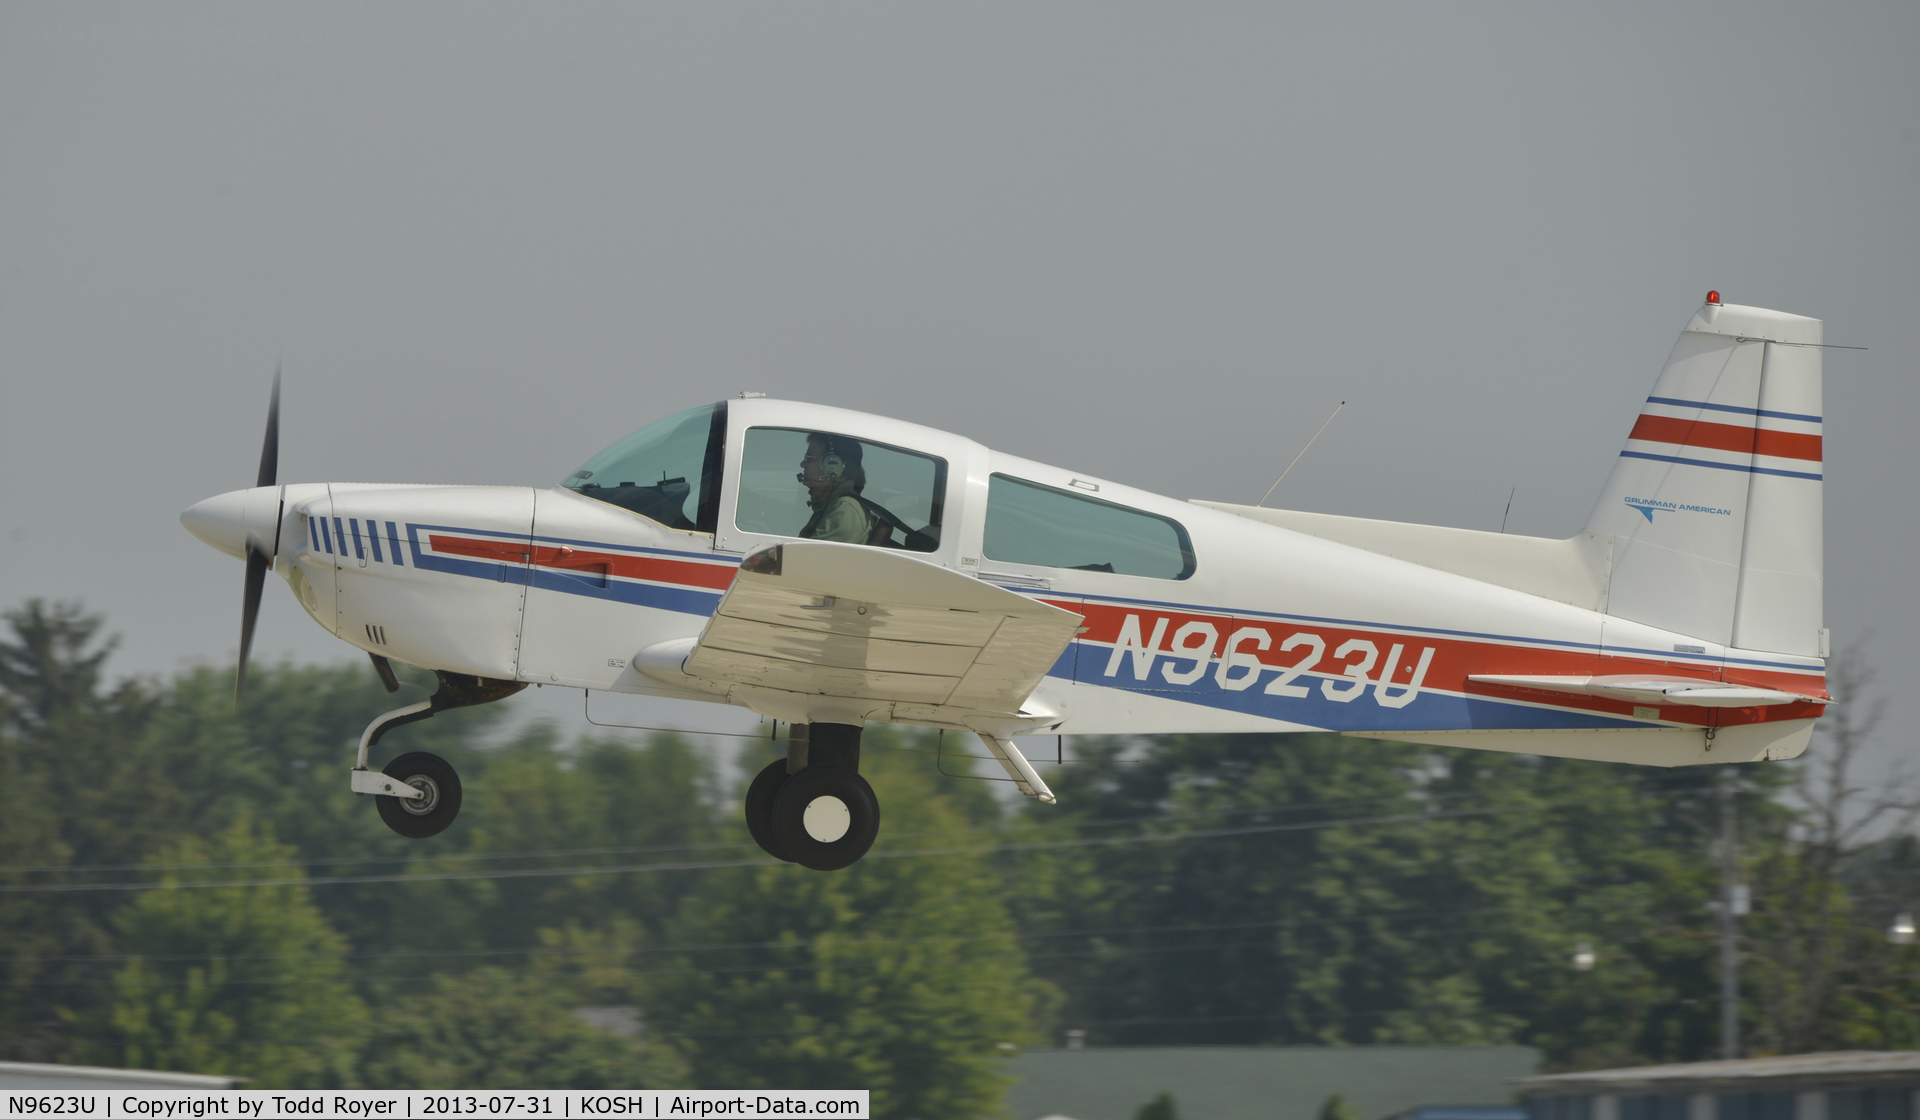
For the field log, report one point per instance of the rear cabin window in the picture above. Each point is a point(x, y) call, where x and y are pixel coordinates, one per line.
point(1028, 523)
point(828, 486)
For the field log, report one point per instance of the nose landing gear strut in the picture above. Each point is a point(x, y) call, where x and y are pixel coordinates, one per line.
point(812, 807)
point(418, 793)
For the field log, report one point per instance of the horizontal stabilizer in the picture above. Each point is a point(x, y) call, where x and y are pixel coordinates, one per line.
point(1653, 690)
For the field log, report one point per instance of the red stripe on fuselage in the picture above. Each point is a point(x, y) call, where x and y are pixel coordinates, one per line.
point(1727, 437)
point(507, 552)
point(658, 569)
point(627, 565)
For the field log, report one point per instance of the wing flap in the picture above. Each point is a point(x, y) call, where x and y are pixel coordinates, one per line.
point(1013, 661)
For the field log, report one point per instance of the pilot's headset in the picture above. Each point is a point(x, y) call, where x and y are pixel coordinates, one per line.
point(833, 462)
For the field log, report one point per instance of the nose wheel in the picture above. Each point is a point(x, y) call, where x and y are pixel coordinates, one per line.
point(813, 808)
point(431, 810)
point(418, 793)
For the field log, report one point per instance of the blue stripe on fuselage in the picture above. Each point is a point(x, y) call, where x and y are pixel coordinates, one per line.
point(665, 597)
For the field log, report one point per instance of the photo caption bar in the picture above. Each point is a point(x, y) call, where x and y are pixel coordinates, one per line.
point(409, 1104)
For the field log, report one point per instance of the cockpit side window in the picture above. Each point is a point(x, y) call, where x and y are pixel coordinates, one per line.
point(828, 486)
point(1028, 523)
point(668, 471)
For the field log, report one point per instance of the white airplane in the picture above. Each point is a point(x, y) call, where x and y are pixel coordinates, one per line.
point(829, 568)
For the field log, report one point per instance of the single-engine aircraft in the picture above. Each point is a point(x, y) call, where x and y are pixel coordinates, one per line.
point(829, 568)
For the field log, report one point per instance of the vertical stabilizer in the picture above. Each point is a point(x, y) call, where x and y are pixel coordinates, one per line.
point(1715, 503)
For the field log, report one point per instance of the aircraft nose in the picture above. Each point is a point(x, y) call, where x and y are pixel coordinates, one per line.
point(228, 521)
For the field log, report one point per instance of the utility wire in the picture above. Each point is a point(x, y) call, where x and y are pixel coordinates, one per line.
point(836, 961)
point(1677, 780)
point(711, 865)
point(789, 944)
point(538, 853)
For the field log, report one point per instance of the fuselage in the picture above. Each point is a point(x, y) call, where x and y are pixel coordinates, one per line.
point(1209, 622)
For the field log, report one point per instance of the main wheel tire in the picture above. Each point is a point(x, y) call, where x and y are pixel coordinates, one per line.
point(826, 817)
point(421, 817)
point(760, 797)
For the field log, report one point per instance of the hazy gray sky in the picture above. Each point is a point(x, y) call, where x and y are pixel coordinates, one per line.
point(1154, 243)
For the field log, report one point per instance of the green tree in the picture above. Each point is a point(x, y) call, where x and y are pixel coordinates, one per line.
point(600, 799)
point(1322, 901)
point(77, 786)
point(489, 1029)
point(901, 975)
point(1300, 889)
point(1159, 1108)
point(51, 670)
point(283, 756)
point(1337, 1108)
point(1819, 970)
point(244, 980)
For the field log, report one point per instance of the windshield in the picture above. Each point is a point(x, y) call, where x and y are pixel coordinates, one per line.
point(668, 471)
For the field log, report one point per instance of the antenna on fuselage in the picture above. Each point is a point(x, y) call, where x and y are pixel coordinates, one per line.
point(1303, 451)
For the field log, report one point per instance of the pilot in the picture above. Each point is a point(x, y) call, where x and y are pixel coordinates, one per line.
point(833, 476)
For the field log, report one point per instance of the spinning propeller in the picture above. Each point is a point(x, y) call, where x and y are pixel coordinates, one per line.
point(260, 553)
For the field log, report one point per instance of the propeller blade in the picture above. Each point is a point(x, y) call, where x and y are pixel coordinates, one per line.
point(270, 448)
point(257, 564)
point(258, 559)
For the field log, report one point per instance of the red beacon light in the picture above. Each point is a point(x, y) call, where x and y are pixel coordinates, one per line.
point(1713, 297)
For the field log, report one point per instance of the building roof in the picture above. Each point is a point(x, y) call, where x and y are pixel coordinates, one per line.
point(1852, 1067)
point(36, 1076)
point(1261, 1082)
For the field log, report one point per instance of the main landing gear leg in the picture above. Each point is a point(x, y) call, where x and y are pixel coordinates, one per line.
point(812, 807)
point(418, 793)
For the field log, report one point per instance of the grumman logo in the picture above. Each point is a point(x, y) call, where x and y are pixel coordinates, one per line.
point(1647, 506)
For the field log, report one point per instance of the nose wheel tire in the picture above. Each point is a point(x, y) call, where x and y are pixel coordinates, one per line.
point(825, 817)
point(760, 797)
point(421, 817)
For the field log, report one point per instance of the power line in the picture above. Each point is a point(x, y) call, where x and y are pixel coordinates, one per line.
point(737, 946)
point(839, 960)
point(712, 865)
point(1066, 822)
point(535, 853)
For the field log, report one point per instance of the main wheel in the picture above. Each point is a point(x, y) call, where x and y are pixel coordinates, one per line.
point(760, 797)
point(826, 817)
point(421, 817)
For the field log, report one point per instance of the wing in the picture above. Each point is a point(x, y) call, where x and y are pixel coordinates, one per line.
point(867, 624)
